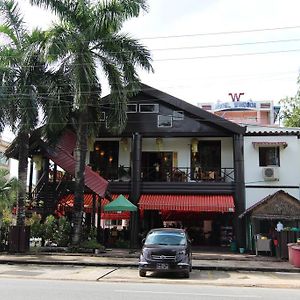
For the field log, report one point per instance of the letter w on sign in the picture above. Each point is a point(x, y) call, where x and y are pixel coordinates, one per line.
point(236, 96)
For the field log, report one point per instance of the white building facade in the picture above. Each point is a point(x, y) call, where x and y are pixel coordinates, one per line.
point(271, 162)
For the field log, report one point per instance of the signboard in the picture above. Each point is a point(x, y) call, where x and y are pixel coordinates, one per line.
point(236, 105)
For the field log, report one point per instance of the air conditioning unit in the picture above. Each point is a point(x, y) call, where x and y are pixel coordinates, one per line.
point(270, 173)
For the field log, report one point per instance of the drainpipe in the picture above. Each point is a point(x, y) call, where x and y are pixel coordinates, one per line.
point(135, 187)
point(239, 224)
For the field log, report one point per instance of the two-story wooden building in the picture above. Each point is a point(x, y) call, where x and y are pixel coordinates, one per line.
point(180, 164)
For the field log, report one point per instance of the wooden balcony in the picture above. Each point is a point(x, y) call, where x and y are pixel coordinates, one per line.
point(179, 180)
point(178, 174)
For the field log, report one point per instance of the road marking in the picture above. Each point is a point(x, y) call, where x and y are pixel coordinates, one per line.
point(189, 294)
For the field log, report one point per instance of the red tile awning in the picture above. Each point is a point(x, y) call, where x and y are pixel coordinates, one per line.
point(67, 203)
point(187, 203)
point(269, 144)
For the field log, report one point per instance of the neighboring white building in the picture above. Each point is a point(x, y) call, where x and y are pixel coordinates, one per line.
point(271, 162)
point(249, 111)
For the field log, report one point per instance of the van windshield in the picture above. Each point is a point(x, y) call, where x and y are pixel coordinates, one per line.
point(166, 238)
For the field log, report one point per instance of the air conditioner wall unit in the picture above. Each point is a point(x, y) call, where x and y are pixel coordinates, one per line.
point(270, 173)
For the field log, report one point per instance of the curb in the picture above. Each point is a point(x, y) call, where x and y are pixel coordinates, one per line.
point(135, 265)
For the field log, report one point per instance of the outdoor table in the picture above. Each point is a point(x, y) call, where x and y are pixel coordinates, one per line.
point(263, 245)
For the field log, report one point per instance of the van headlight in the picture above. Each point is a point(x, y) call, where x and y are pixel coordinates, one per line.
point(181, 254)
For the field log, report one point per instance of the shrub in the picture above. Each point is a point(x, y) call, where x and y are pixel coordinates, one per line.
point(62, 234)
point(91, 244)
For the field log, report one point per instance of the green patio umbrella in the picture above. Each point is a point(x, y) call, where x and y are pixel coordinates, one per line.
point(120, 204)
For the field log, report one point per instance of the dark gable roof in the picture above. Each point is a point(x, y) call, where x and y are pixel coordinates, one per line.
point(265, 200)
point(192, 109)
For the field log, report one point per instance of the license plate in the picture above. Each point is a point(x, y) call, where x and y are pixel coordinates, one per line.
point(162, 266)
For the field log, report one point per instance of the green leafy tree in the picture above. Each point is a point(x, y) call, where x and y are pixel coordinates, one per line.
point(290, 111)
point(8, 191)
point(21, 70)
point(84, 43)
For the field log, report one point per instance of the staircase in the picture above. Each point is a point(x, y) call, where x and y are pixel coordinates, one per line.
point(49, 193)
point(62, 156)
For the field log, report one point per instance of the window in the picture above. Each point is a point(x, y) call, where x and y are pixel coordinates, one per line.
point(131, 108)
point(164, 121)
point(206, 162)
point(178, 115)
point(105, 158)
point(149, 108)
point(269, 156)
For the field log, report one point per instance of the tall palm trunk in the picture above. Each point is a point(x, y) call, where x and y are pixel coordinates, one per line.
point(23, 138)
point(80, 157)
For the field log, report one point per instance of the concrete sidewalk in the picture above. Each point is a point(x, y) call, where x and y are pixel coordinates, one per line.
point(125, 258)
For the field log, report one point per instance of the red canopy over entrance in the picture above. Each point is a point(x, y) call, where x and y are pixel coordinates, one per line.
point(187, 203)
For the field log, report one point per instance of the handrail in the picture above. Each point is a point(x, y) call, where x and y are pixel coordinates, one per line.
point(175, 174)
point(39, 186)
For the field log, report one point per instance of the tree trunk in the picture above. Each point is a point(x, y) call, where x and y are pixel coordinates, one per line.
point(80, 157)
point(23, 141)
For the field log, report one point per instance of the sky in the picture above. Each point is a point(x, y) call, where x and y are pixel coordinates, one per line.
point(203, 50)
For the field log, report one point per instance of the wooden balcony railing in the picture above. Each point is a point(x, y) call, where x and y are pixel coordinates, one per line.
point(178, 174)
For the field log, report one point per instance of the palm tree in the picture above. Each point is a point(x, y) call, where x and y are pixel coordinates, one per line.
point(21, 70)
point(87, 39)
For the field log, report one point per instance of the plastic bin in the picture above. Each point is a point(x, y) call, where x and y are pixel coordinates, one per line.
point(290, 250)
point(296, 255)
point(233, 246)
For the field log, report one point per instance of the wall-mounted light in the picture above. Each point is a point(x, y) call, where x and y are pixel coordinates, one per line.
point(110, 159)
point(38, 160)
point(97, 147)
point(194, 144)
point(159, 142)
point(124, 143)
point(102, 153)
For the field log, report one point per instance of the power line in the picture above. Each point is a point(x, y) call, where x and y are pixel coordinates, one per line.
point(227, 55)
point(197, 47)
point(203, 57)
point(221, 32)
point(226, 45)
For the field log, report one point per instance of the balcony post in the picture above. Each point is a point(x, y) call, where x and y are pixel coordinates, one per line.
point(30, 180)
point(135, 187)
point(240, 232)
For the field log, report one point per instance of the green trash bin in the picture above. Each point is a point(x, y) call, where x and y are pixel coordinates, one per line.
point(233, 246)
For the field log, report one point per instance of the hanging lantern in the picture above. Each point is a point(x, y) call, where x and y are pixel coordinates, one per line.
point(91, 142)
point(159, 143)
point(37, 159)
point(194, 144)
point(124, 143)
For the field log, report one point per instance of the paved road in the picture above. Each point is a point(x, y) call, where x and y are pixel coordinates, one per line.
point(106, 274)
point(23, 289)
